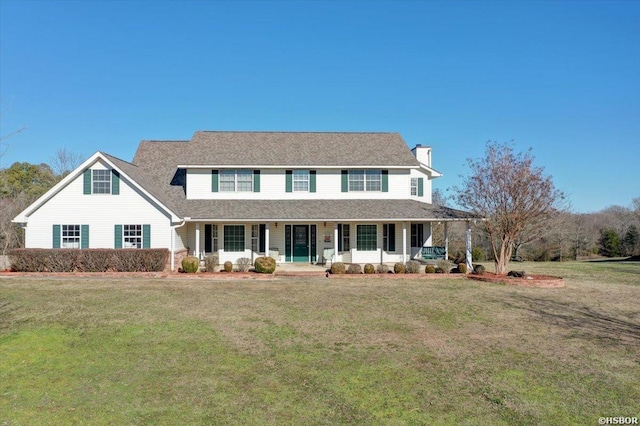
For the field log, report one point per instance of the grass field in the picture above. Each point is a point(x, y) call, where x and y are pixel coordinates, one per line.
point(322, 351)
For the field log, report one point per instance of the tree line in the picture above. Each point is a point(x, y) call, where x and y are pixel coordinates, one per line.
point(21, 184)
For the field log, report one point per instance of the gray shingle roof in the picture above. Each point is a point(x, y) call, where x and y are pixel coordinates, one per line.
point(319, 210)
point(156, 162)
point(297, 149)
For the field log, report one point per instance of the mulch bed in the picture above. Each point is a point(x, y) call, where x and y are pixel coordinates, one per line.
point(542, 281)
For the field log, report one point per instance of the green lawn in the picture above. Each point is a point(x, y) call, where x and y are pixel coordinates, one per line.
point(322, 351)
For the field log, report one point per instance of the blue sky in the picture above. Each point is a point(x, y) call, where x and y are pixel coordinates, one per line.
point(562, 78)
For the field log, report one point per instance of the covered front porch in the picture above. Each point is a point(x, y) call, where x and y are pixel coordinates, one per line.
point(313, 231)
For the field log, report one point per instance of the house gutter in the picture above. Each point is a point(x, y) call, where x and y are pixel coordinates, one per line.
point(173, 238)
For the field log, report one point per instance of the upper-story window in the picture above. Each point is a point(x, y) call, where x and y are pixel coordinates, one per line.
point(301, 180)
point(417, 187)
point(414, 187)
point(236, 180)
point(365, 180)
point(102, 181)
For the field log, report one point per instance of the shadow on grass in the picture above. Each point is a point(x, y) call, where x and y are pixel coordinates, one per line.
point(616, 259)
point(583, 321)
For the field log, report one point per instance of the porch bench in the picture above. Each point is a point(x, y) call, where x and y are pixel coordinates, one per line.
point(435, 252)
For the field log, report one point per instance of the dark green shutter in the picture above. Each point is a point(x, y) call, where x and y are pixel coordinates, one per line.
point(312, 181)
point(84, 236)
point(420, 187)
point(117, 236)
point(115, 183)
point(56, 236)
point(87, 181)
point(256, 181)
point(261, 239)
point(288, 180)
point(339, 237)
point(345, 181)
point(208, 241)
point(214, 181)
point(385, 181)
point(146, 236)
point(391, 236)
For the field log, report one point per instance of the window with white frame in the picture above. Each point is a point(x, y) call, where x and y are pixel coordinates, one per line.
point(101, 181)
point(70, 236)
point(365, 180)
point(214, 238)
point(414, 186)
point(236, 180)
point(255, 237)
point(301, 180)
point(367, 237)
point(132, 236)
point(234, 238)
point(344, 239)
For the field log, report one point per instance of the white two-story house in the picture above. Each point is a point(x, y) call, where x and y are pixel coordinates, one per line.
point(295, 196)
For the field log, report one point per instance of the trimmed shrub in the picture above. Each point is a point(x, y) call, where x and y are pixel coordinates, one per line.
point(398, 268)
point(369, 269)
point(412, 267)
point(244, 263)
point(462, 268)
point(477, 254)
point(430, 269)
point(228, 266)
point(444, 265)
point(265, 265)
point(89, 260)
point(354, 268)
point(382, 269)
point(479, 269)
point(190, 264)
point(211, 262)
point(338, 268)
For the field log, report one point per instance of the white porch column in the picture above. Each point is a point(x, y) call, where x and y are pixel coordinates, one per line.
point(469, 259)
point(198, 240)
point(335, 242)
point(173, 248)
point(446, 240)
point(404, 241)
point(267, 253)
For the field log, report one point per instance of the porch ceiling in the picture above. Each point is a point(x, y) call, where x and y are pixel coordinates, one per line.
point(320, 210)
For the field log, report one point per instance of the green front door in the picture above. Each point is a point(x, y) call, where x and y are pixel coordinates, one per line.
point(300, 243)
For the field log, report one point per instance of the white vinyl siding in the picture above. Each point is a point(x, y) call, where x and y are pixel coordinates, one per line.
point(99, 213)
point(328, 186)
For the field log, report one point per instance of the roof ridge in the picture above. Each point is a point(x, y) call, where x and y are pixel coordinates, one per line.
point(297, 131)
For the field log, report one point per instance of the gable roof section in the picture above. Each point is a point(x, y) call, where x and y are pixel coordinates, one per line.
point(128, 170)
point(295, 149)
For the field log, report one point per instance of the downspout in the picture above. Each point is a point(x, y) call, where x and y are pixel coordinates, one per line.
point(173, 238)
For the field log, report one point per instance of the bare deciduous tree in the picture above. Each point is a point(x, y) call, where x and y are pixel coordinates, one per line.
point(65, 161)
point(511, 193)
